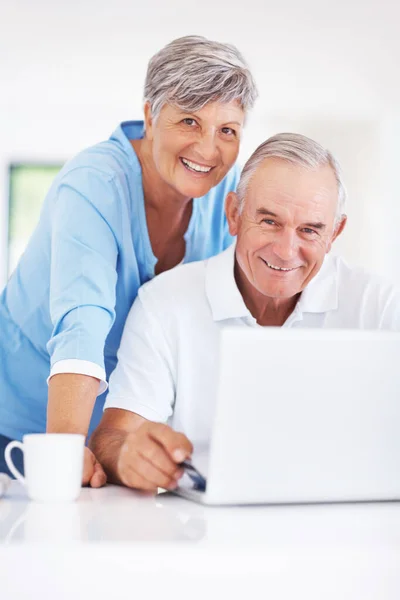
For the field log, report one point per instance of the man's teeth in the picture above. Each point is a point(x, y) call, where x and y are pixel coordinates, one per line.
point(278, 268)
point(195, 166)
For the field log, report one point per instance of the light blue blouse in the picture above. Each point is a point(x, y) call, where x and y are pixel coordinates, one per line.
point(73, 287)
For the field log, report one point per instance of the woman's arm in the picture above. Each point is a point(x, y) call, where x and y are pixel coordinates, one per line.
point(82, 301)
point(69, 409)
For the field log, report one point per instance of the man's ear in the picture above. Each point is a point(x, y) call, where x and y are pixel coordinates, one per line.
point(232, 211)
point(338, 230)
point(148, 121)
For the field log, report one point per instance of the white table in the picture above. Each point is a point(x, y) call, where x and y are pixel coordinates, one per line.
point(115, 543)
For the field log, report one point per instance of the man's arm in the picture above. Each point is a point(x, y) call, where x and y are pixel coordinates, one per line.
point(69, 409)
point(132, 442)
point(139, 453)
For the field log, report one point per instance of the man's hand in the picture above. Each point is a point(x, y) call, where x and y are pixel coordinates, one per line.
point(149, 457)
point(93, 473)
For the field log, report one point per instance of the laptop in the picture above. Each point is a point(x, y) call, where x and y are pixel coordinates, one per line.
point(302, 415)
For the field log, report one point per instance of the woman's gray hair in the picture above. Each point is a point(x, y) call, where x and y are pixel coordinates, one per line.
point(296, 149)
point(191, 71)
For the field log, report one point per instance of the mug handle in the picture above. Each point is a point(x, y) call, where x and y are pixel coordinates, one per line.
point(7, 455)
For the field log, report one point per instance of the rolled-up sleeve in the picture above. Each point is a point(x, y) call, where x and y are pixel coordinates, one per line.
point(83, 268)
point(83, 367)
point(143, 380)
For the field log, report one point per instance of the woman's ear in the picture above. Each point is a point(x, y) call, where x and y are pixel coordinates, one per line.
point(232, 211)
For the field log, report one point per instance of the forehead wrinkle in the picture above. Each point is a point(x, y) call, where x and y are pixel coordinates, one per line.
point(276, 193)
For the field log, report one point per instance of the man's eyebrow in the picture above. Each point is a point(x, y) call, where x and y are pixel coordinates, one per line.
point(319, 225)
point(265, 211)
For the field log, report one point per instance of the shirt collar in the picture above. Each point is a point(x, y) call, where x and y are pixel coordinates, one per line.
point(226, 302)
point(126, 131)
point(321, 294)
point(222, 292)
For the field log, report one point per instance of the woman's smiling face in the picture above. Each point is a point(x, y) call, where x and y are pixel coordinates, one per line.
point(193, 152)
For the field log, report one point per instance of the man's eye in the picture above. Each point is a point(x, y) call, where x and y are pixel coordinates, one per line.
point(228, 131)
point(309, 231)
point(268, 221)
point(189, 121)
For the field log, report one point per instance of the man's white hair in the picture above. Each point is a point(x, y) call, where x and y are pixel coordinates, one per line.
point(191, 71)
point(299, 150)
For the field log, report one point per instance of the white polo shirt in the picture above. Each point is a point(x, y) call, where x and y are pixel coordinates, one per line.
point(168, 358)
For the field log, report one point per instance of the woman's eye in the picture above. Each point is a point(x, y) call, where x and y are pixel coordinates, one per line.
point(189, 121)
point(228, 131)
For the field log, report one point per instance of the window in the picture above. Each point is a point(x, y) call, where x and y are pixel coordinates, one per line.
point(29, 184)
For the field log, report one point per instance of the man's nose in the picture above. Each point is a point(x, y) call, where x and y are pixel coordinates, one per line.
point(285, 245)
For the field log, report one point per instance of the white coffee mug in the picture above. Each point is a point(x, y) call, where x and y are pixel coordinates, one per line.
point(53, 465)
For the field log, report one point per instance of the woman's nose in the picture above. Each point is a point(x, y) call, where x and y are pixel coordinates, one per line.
point(206, 147)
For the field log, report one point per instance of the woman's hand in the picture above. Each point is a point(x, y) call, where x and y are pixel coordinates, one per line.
point(93, 473)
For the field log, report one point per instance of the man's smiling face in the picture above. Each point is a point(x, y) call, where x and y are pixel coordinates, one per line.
point(286, 227)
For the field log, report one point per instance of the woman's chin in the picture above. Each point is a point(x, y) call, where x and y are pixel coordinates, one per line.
point(195, 189)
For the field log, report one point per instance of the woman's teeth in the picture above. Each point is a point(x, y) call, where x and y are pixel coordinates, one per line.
point(195, 167)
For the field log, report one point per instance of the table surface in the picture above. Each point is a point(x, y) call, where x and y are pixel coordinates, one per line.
point(165, 541)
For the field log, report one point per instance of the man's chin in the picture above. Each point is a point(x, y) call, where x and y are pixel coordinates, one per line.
point(280, 294)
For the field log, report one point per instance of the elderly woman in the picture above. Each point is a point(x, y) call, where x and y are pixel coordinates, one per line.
point(149, 198)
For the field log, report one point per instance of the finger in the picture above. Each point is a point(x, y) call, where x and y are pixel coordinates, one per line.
point(131, 478)
point(99, 478)
point(176, 444)
point(140, 483)
point(156, 477)
point(88, 467)
point(133, 462)
point(156, 454)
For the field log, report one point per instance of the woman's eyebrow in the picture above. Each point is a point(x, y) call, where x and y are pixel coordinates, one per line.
point(195, 116)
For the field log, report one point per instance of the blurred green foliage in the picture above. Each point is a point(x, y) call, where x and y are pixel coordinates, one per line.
point(29, 184)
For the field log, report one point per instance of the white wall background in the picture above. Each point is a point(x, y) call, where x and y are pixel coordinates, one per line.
point(71, 70)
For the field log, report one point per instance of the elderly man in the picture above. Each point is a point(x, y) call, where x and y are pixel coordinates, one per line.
point(287, 212)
